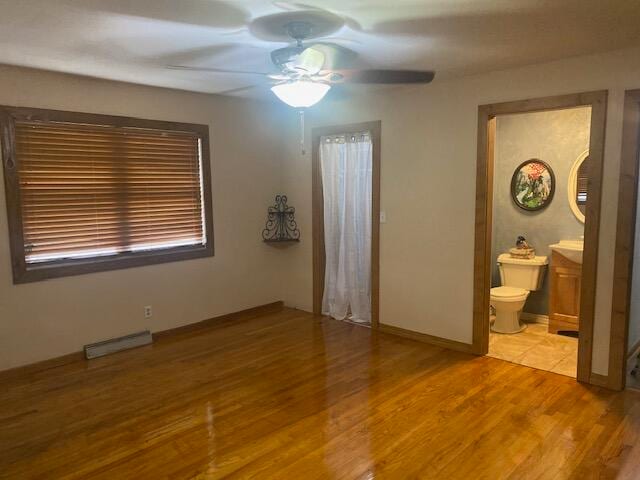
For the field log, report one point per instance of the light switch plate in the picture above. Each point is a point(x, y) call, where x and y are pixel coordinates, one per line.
point(383, 217)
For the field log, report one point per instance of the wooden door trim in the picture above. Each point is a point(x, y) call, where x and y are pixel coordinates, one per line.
point(625, 240)
point(484, 192)
point(318, 213)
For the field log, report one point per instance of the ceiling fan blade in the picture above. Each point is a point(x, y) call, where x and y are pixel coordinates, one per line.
point(293, 6)
point(237, 90)
point(215, 70)
point(280, 77)
point(337, 40)
point(386, 77)
point(232, 33)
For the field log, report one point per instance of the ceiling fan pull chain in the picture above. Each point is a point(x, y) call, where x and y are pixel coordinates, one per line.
point(302, 149)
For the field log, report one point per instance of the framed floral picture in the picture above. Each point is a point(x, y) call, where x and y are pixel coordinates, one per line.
point(532, 185)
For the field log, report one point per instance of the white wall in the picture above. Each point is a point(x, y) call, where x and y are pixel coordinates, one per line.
point(54, 317)
point(429, 137)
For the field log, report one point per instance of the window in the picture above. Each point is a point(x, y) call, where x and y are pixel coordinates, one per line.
point(94, 192)
point(582, 182)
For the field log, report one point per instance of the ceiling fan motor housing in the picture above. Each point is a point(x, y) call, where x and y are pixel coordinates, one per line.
point(299, 25)
point(299, 30)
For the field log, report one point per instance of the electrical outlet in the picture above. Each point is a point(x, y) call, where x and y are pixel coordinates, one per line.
point(148, 313)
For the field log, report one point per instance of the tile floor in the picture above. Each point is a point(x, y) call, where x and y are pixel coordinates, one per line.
point(536, 348)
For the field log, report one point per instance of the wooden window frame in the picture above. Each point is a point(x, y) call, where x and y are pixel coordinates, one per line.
point(23, 272)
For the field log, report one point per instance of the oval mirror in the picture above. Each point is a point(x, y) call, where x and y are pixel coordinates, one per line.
point(577, 188)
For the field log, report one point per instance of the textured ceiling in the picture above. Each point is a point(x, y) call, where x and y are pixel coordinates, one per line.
point(134, 40)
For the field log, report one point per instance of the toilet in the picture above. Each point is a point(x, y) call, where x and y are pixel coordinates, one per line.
point(518, 277)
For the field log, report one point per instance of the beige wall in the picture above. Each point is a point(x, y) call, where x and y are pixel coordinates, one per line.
point(428, 193)
point(429, 137)
point(54, 317)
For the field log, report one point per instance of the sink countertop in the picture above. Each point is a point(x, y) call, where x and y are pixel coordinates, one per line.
point(570, 249)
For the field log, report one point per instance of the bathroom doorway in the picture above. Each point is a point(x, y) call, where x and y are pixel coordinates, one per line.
point(346, 212)
point(533, 177)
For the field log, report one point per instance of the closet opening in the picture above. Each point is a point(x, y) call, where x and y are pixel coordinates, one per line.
point(346, 226)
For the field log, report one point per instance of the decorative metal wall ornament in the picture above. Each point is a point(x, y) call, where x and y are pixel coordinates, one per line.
point(281, 225)
point(532, 185)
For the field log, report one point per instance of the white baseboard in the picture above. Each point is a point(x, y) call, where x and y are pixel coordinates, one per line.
point(534, 318)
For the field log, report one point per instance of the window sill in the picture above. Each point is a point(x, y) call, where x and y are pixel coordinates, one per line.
point(26, 273)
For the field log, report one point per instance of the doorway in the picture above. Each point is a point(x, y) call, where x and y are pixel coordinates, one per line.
point(329, 145)
point(624, 344)
point(483, 264)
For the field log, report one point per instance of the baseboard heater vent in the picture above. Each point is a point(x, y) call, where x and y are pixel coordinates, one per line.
point(134, 340)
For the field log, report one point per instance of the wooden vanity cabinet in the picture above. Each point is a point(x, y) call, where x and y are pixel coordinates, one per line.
point(565, 279)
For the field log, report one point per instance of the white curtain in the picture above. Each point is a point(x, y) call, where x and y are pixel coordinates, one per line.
point(346, 163)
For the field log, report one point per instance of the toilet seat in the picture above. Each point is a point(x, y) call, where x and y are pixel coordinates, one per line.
point(509, 294)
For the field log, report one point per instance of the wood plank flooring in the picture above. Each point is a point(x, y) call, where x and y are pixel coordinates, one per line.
point(290, 396)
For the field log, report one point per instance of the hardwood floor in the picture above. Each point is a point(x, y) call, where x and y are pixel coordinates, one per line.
point(290, 396)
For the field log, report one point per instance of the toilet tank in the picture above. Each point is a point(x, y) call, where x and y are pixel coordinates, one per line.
point(522, 273)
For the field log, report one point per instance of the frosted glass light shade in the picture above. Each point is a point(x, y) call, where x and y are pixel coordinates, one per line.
point(301, 93)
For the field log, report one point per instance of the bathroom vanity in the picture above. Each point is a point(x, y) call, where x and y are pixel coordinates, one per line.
point(565, 281)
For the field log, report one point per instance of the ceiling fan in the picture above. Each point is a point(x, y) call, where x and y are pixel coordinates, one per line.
point(303, 75)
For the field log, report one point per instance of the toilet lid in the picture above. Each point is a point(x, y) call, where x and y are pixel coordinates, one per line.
point(507, 292)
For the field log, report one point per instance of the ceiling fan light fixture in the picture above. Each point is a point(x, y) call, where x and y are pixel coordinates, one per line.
point(301, 93)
